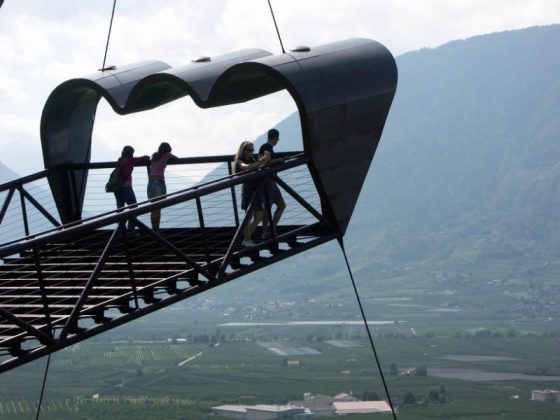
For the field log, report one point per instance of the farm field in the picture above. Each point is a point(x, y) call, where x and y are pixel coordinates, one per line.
point(184, 379)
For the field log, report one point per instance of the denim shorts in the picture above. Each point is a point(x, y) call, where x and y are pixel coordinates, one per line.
point(156, 188)
point(247, 192)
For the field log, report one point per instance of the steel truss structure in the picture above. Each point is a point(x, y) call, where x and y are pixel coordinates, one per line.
point(84, 275)
point(77, 280)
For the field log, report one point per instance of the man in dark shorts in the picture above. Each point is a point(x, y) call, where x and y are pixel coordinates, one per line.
point(273, 194)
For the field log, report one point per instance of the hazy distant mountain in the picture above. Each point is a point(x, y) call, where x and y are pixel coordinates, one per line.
point(472, 149)
point(6, 174)
point(466, 177)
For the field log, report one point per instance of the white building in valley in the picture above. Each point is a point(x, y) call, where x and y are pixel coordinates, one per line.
point(546, 395)
point(259, 412)
point(361, 407)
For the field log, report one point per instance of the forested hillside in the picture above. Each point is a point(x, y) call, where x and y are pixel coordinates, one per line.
point(465, 179)
point(463, 190)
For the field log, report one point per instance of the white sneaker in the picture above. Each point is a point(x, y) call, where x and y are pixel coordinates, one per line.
point(248, 243)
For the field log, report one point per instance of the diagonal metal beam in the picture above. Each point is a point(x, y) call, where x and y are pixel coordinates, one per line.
point(23, 212)
point(41, 336)
point(158, 238)
point(131, 271)
point(233, 196)
point(73, 319)
point(6, 203)
point(302, 201)
point(39, 207)
point(42, 290)
point(240, 228)
point(202, 228)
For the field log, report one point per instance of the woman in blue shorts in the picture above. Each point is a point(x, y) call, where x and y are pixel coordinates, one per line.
point(156, 179)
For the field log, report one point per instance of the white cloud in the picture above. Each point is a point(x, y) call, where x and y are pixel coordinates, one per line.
point(23, 46)
point(43, 44)
point(16, 126)
point(190, 130)
point(19, 147)
point(11, 89)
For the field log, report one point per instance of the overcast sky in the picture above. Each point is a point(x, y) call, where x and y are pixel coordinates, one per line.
point(44, 43)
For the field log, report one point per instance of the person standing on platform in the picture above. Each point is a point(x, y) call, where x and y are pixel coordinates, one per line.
point(273, 195)
point(245, 161)
point(125, 194)
point(156, 178)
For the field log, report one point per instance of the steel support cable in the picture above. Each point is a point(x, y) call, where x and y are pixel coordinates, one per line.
point(49, 323)
point(43, 386)
point(108, 36)
point(340, 241)
point(276, 26)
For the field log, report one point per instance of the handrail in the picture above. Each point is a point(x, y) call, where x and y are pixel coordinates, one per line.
point(178, 161)
point(111, 164)
point(23, 184)
point(26, 179)
point(124, 213)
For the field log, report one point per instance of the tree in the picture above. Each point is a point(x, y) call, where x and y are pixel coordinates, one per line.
point(443, 396)
point(370, 396)
point(393, 370)
point(438, 395)
point(421, 371)
point(433, 395)
point(409, 398)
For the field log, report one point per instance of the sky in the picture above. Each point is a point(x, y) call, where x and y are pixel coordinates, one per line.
point(44, 43)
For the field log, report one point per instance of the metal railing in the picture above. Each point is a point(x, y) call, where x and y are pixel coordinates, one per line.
point(218, 195)
point(28, 207)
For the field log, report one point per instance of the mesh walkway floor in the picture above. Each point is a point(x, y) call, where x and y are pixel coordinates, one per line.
point(66, 291)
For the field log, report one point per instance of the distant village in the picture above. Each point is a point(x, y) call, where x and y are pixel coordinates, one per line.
point(311, 406)
point(527, 302)
point(271, 309)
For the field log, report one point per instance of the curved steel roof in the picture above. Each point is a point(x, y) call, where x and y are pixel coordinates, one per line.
point(343, 92)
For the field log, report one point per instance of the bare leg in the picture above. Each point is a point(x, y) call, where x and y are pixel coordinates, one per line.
point(280, 206)
point(252, 225)
point(265, 224)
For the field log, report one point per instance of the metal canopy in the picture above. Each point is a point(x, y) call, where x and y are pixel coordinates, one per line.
point(343, 92)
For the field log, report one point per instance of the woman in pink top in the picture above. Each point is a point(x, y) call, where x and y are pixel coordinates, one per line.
point(156, 180)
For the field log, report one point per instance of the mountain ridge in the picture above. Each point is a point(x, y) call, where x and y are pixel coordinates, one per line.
point(463, 188)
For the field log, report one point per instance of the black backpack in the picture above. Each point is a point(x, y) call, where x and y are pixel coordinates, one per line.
point(115, 181)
